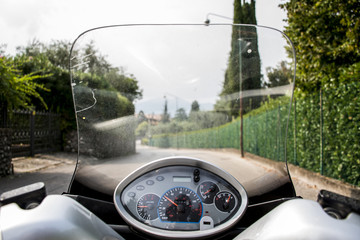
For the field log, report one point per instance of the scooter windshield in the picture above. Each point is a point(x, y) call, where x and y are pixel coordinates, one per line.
point(218, 92)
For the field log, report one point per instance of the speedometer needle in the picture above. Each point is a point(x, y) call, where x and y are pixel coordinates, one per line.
point(142, 206)
point(171, 200)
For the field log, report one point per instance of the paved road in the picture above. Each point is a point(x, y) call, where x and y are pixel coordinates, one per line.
point(255, 177)
point(54, 170)
point(242, 169)
point(58, 169)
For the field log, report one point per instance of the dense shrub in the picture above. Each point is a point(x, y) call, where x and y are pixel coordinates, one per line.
point(264, 130)
point(341, 133)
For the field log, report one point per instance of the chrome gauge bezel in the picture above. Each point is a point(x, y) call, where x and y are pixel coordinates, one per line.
point(201, 196)
point(174, 234)
point(139, 200)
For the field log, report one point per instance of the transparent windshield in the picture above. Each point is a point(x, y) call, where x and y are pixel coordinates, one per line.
point(220, 93)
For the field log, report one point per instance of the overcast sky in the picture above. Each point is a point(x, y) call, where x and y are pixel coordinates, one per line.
point(46, 20)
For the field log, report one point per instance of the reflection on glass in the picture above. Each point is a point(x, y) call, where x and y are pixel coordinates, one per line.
point(145, 90)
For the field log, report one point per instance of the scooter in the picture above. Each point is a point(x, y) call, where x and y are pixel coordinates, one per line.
point(174, 121)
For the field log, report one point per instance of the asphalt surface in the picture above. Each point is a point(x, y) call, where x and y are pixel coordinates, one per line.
point(256, 178)
point(56, 170)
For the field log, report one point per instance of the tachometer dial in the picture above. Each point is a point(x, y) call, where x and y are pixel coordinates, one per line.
point(180, 204)
point(207, 191)
point(225, 201)
point(146, 206)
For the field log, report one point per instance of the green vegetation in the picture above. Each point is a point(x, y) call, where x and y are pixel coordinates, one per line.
point(324, 128)
point(16, 88)
point(263, 137)
point(197, 120)
point(340, 146)
point(38, 77)
point(279, 76)
point(165, 118)
point(195, 107)
point(51, 60)
point(261, 131)
point(104, 97)
point(326, 39)
point(180, 115)
point(244, 61)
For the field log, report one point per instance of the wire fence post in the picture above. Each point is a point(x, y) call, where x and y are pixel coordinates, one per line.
point(295, 148)
point(278, 135)
point(321, 136)
point(32, 134)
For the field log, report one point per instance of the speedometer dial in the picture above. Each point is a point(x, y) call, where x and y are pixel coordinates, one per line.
point(180, 204)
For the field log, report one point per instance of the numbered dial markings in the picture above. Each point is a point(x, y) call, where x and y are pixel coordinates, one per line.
point(207, 191)
point(147, 206)
point(225, 201)
point(180, 204)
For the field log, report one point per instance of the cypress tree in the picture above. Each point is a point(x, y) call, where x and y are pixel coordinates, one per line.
point(244, 40)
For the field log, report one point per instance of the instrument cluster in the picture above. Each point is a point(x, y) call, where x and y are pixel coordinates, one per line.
point(182, 196)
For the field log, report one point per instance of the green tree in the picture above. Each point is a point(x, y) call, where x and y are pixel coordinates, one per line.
point(165, 118)
point(326, 38)
point(58, 53)
point(127, 85)
point(141, 130)
point(95, 62)
point(52, 59)
point(195, 107)
point(40, 79)
point(17, 90)
point(244, 48)
point(181, 115)
point(203, 119)
point(279, 76)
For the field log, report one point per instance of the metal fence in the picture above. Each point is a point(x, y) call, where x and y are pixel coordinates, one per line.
point(323, 134)
point(33, 132)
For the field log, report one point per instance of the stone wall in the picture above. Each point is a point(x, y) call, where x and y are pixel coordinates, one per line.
point(5, 152)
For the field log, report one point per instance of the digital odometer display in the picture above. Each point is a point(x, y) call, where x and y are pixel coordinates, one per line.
point(181, 179)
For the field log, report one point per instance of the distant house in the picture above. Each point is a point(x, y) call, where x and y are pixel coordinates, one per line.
point(152, 119)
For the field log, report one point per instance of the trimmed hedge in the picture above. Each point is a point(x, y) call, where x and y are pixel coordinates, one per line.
point(264, 128)
point(340, 144)
point(263, 131)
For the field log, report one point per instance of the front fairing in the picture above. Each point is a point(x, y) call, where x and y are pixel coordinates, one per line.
point(213, 92)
